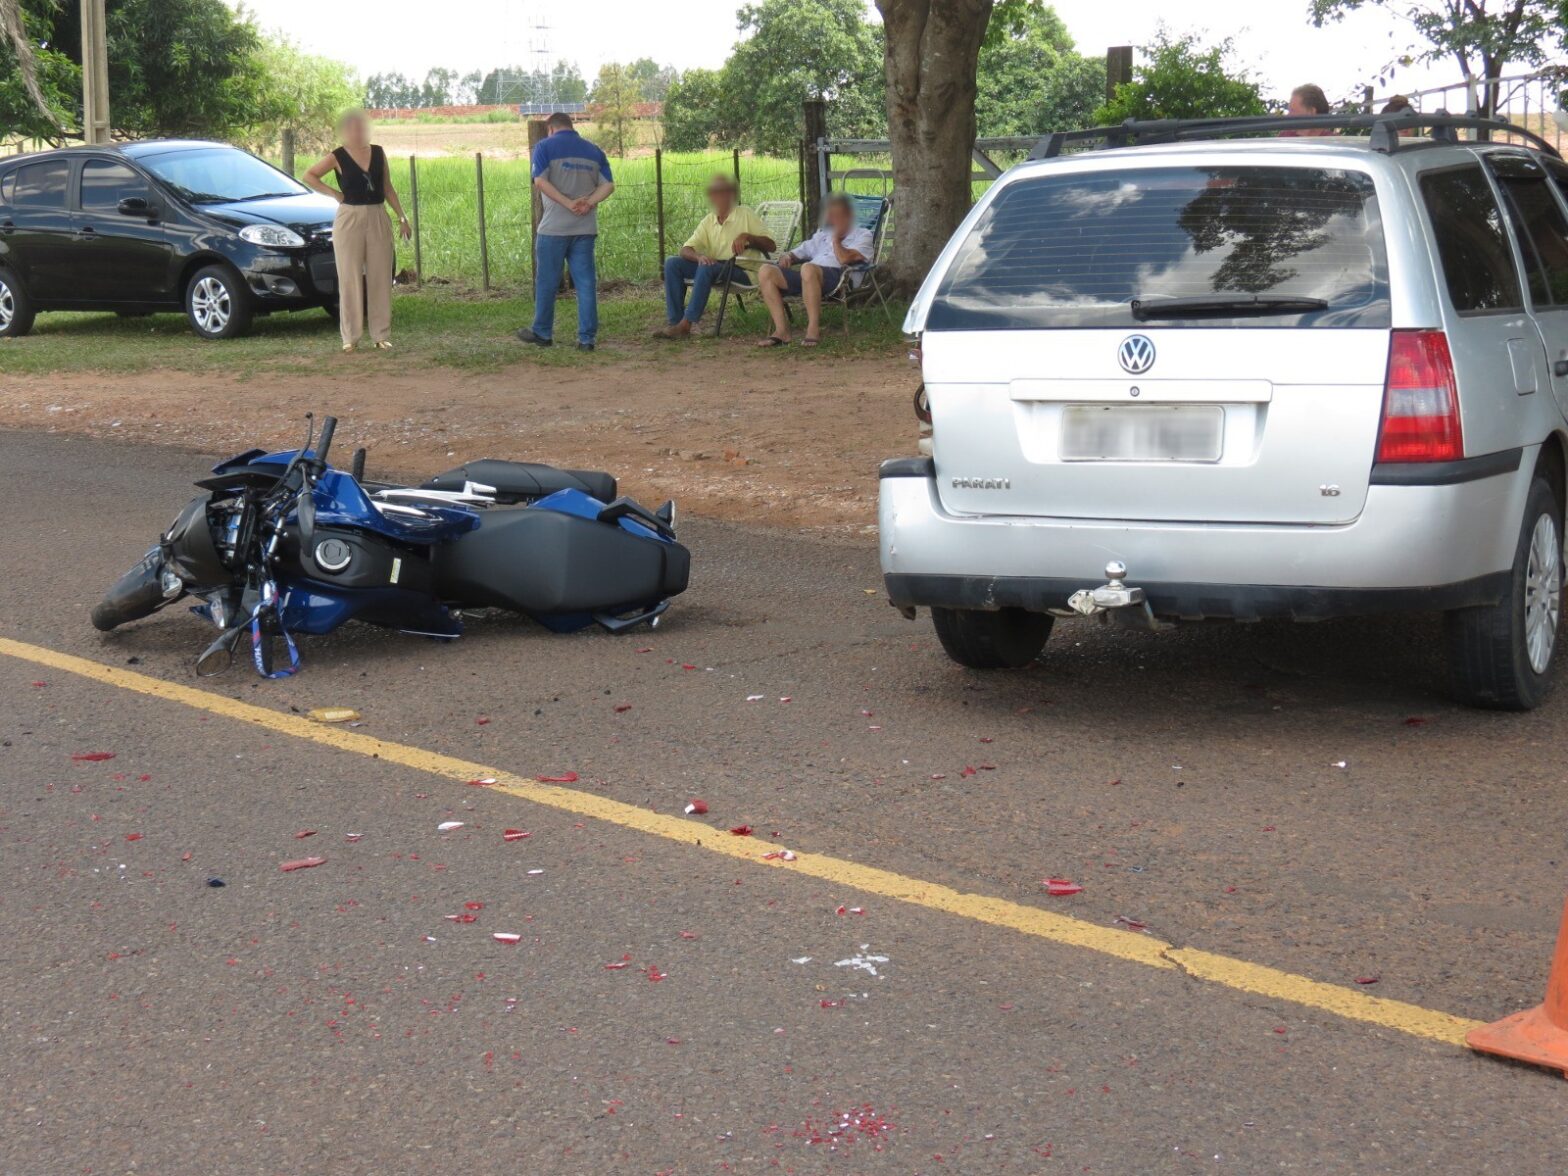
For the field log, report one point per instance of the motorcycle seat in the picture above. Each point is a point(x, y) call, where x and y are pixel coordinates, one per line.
point(524, 481)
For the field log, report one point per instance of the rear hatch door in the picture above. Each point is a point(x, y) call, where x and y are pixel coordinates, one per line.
point(1164, 343)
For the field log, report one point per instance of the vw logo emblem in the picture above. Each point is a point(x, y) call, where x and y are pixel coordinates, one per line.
point(1136, 354)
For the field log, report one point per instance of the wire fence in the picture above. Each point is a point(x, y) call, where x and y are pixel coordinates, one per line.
point(658, 200)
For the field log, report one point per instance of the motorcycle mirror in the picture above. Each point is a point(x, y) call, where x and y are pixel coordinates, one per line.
point(218, 656)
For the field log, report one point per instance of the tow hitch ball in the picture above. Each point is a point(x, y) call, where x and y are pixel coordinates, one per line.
point(1115, 599)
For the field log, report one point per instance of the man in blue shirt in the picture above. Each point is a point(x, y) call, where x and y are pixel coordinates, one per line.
point(573, 178)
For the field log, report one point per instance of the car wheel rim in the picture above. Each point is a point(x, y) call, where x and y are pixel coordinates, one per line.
point(211, 306)
point(7, 306)
point(1543, 590)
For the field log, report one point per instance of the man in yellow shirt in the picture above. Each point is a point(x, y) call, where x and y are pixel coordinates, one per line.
point(731, 230)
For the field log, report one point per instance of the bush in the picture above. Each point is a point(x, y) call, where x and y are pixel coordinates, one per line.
point(1181, 79)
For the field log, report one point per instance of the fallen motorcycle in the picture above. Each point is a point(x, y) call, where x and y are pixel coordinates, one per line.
point(282, 544)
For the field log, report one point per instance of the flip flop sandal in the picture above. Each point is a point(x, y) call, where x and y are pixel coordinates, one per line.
point(774, 341)
point(808, 341)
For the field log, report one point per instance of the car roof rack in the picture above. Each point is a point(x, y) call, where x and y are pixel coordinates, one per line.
point(1384, 130)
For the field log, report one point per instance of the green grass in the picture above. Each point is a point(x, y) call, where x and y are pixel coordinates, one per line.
point(629, 248)
point(430, 328)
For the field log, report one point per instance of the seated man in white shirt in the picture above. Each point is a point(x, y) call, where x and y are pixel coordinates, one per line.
point(813, 270)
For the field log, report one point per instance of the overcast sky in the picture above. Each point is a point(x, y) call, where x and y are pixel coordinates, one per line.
point(1273, 37)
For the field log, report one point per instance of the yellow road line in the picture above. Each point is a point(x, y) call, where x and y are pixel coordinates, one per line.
point(1222, 970)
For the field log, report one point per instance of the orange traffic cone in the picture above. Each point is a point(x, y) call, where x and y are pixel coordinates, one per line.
point(1538, 1035)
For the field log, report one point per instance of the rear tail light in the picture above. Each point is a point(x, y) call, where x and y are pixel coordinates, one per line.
point(1420, 401)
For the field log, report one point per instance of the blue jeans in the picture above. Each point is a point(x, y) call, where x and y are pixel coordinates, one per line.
point(677, 272)
point(576, 254)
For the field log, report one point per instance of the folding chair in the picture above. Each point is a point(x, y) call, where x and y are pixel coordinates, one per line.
point(782, 219)
point(862, 282)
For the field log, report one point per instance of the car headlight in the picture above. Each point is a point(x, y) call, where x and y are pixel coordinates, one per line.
point(274, 235)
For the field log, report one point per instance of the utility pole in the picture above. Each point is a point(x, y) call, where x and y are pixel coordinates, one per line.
point(95, 73)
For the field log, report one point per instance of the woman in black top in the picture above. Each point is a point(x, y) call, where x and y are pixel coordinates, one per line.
point(361, 236)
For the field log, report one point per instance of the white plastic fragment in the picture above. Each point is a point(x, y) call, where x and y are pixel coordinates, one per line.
point(507, 937)
point(448, 826)
point(862, 961)
point(801, 960)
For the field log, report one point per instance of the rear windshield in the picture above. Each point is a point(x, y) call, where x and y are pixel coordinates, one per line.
point(1079, 250)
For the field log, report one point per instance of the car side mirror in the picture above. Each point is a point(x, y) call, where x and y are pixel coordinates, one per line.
point(137, 206)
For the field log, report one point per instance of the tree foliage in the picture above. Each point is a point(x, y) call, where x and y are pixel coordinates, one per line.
point(25, 80)
point(562, 82)
point(1178, 77)
point(653, 79)
point(614, 100)
point(1031, 80)
point(1482, 37)
point(441, 87)
point(792, 50)
point(695, 112)
point(302, 93)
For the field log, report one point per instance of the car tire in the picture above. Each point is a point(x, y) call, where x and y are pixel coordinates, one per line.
point(218, 303)
point(1005, 640)
point(1500, 655)
point(16, 308)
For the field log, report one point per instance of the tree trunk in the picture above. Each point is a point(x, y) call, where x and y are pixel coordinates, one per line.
point(933, 51)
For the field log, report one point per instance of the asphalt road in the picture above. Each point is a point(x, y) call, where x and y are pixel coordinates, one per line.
point(1257, 792)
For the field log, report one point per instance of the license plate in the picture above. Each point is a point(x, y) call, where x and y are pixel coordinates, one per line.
point(1142, 432)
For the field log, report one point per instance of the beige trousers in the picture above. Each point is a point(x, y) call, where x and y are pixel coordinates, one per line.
point(362, 244)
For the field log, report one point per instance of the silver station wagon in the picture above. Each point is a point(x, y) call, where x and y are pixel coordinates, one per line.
point(1187, 371)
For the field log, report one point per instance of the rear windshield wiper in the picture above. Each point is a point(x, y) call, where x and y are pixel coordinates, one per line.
point(1199, 305)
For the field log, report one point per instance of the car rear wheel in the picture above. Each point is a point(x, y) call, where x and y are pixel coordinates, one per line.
point(1501, 655)
point(1005, 640)
point(16, 309)
point(218, 303)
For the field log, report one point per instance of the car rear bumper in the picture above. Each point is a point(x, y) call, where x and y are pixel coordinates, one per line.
point(1413, 548)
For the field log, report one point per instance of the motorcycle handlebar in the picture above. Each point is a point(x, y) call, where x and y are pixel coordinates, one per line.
point(328, 427)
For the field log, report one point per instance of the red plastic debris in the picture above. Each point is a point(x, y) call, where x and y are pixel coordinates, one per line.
point(782, 855)
point(1131, 924)
point(787, 698)
point(473, 906)
point(1061, 887)
point(1368, 979)
point(482, 782)
point(133, 837)
point(654, 975)
point(304, 833)
point(510, 938)
point(461, 918)
point(624, 962)
point(645, 649)
point(563, 778)
point(830, 1004)
point(849, 910)
point(1415, 721)
point(352, 836)
point(301, 864)
point(697, 808)
point(92, 757)
point(514, 834)
point(689, 935)
point(481, 722)
point(687, 666)
point(741, 831)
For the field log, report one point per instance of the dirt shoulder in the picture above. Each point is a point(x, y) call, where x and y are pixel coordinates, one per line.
point(793, 444)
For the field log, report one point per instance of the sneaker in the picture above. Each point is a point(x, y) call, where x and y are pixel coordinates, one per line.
point(585, 347)
point(527, 335)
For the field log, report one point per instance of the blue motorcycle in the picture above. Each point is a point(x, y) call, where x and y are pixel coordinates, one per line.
point(282, 544)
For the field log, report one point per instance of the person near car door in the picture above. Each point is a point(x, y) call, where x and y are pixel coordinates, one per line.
point(361, 234)
point(572, 177)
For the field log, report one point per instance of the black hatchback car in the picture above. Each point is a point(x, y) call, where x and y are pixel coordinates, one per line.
point(156, 226)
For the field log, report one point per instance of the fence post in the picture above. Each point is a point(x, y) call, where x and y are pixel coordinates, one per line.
point(737, 172)
point(536, 135)
point(1366, 99)
point(288, 151)
point(484, 244)
point(816, 112)
point(413, 200)
point(658, 189)
point(1118, 69)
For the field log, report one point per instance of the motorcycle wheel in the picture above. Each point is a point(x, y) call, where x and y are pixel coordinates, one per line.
point(137, 594)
